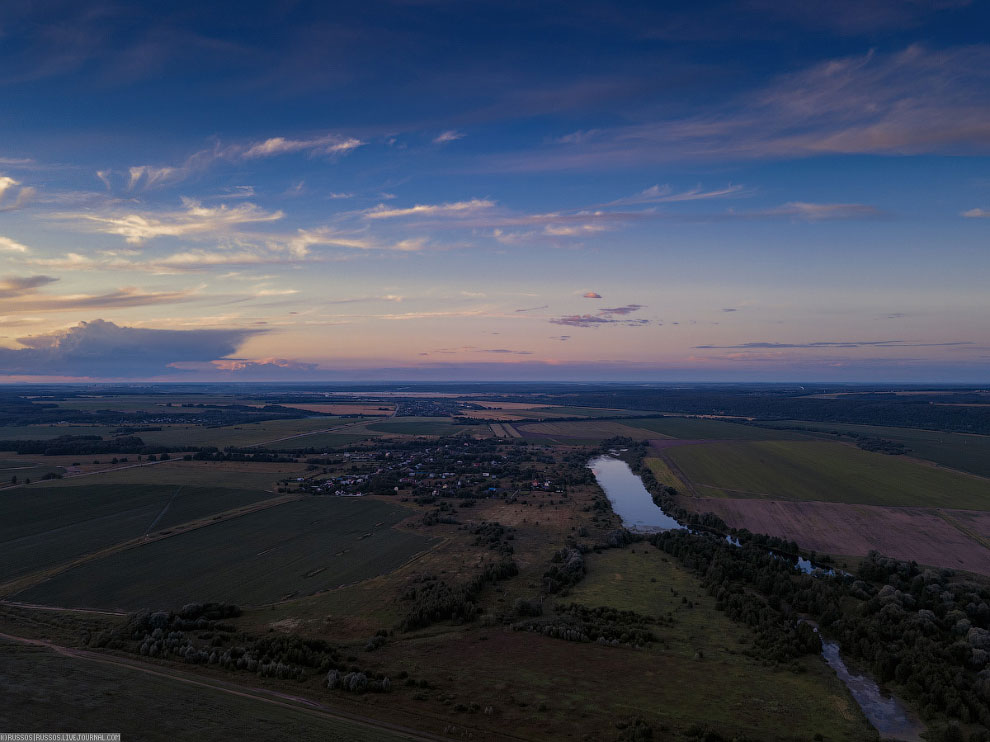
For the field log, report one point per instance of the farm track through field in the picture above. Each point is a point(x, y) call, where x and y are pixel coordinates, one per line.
point(303, 435)
point(20, 584)
point(262, 695)
point(300, 704)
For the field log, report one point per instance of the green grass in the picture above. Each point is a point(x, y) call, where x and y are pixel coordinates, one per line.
point(689, 428)
point(827, 471)
point(664, 474)
point(424, 426)
point(45, 526)
point(49, 692)
point(753, 700)
point(955, 450)
point(294, 549)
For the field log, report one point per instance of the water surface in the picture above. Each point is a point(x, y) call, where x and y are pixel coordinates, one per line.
point(629, 498)
point(887, 714)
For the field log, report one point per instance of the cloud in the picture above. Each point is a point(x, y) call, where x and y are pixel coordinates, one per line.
point(9, 245)
point(448, 136)
point(977, 214)
point(665, 194)
point(29, 301)
point(915, 101)
point(592, 295)
point(534, 309)
point(819, 212)
point(831, 344)
point(195, 221)
point(104, 349)
point(20, 285)
point(628, 309)
point(10, 186)
point(594, 320)
point(604, 317)
point(239, 365)
point(729, 309)
point(458, 208)
point(330, 144)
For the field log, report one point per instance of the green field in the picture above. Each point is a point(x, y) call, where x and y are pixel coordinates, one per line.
point(826, 471)
point(26, 469)
point(590, 412)
point(46, 432)
point(691, 428)
point(961, 451)
point(49, 692)
point(45, 526)
point(294, 549)
point(424, 426)
point(225, 475)
point(244, 434)
point(325, 441)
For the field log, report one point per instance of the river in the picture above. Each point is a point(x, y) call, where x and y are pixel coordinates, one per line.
point(634, 505)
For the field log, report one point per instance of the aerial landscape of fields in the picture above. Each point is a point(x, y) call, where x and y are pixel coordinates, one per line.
point(495, 371)
point(344, 576)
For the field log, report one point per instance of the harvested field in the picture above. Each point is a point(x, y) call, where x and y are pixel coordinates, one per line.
point(933, 537)
point(294, 549)
point(823, 470)
point(498, 430)
point(513, 433)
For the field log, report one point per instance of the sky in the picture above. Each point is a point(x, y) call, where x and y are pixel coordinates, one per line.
point(434, 190)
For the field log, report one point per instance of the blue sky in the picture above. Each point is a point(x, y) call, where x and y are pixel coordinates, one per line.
point(473, 190)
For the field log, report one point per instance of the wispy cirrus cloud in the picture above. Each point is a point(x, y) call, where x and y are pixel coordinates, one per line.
point(977, 214)
point(813, 212)
point(451, 135)
point(660, 194)
point(13, 195)
point(9, 245)
point(456, 208)
point(195, 220)
point(831, 344)
point(329, 144)
point(914, 101)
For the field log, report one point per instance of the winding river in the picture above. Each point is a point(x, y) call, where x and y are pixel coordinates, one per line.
point(634, 505)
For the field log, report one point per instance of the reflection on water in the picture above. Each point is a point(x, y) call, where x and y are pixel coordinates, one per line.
point(629, 498)
point(886, 713)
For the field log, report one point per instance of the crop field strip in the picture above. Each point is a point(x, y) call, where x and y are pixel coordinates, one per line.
point(58, 524)
point(963, 451)
point(824, 471)
point(423, 426)
point(299, 548)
